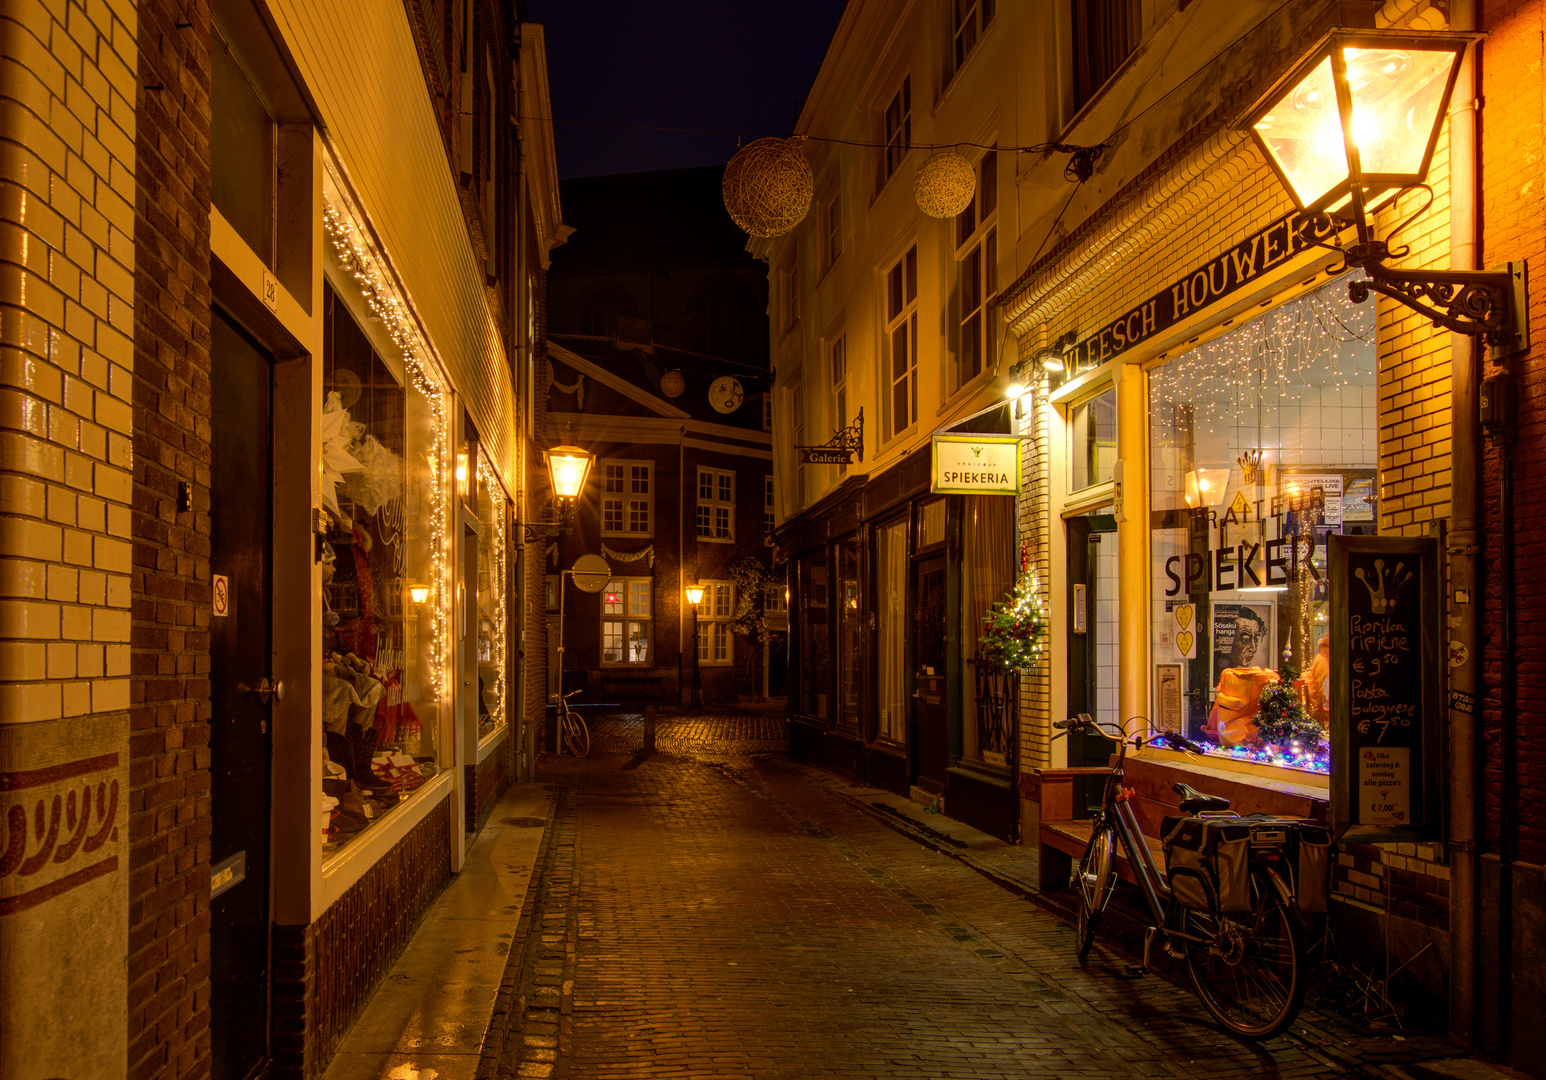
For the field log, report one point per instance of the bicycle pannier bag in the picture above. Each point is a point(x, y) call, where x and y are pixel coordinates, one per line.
point(1209, 855)
point(1312, 874)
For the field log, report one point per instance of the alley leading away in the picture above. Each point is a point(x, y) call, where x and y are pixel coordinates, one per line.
point(701, 913)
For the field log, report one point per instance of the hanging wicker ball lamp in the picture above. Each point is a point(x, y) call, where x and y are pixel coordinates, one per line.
point(768, 187)
point(945, 184)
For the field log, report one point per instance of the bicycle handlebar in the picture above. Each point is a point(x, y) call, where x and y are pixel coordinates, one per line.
point(1085, 722)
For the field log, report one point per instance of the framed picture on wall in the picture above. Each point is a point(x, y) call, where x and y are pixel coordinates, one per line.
point(1243, 636)
point(1167, 697)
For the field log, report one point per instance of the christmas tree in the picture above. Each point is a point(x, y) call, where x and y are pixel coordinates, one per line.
point(1281, 719)
point(1016, 625)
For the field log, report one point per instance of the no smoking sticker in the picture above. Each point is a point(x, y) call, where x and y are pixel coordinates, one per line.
point(222, 601)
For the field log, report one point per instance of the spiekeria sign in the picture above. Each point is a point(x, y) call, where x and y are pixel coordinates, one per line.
point(976, 465)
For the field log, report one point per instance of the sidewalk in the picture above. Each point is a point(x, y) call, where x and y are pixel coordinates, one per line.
point(430, 1014)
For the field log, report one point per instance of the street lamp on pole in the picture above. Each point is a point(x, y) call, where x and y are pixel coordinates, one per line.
point(695, 597)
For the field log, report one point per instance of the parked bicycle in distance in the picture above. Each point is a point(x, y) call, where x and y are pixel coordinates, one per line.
point(1225, 904)
point(571, 726)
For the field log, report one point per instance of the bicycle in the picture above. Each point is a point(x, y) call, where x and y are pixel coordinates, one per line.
point(571, 725)
point(1247, 967)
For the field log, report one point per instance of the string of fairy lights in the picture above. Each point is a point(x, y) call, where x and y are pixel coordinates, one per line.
point(490, 480)
point(357, 259)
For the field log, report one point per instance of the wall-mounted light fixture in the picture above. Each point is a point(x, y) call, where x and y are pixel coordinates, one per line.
point(418, 593)
point(1354, 125)
point(568, 469)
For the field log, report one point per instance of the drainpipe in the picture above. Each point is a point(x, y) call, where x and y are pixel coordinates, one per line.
point(1463, 547)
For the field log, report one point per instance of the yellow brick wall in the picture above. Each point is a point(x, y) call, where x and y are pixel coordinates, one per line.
point(66, 320)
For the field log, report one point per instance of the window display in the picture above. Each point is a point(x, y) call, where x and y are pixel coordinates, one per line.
point(815, 662)
point(382, 641)
point(1263, 443)
point(491, 600)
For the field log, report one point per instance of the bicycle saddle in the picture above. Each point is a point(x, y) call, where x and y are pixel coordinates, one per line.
point(1195, 802)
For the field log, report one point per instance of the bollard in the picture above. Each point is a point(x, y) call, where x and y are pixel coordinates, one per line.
point(649, 729)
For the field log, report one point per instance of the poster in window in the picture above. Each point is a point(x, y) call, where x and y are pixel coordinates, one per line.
point(1167, 697)
point(1242, 636)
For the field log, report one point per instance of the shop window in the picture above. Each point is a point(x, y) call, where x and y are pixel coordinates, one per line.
point(968, 20)
point(1105, 32)
point(714, 633)
point(815, 661)
point(1263, 443)
point(977, 273)
point(850, 628)
point(627, 628)
point(931, 523)
point(897, 129)
point(901, 401)
point(383, 716)
point(716, 505)
point(627, 498)
point(490, 629)
point(1092, 441)
point(891, 558)
point(987, 577)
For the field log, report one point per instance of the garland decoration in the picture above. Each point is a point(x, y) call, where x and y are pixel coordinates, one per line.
point(1016, 626)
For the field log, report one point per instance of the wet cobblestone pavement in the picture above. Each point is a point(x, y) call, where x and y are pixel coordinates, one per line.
point(712, 910)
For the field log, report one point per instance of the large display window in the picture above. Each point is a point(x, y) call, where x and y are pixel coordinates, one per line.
point(1263, 442)
point(384, 723)
point(490, 627)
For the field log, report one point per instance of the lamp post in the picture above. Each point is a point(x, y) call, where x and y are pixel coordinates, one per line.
point(1353, 126)
point(695, 597)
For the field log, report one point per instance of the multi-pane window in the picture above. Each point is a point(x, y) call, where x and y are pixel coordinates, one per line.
point(767, 412)
point(716, 504)
point(789, 287)
point(627, 498)
point(626, 613)
point(832, 227)
point(768, 519)
point(797, 426)
point(977, 252)
point(901, 403)
point(1105, 34)
point(714, 637)
point(969, 18)
point(898, 123)
point(837, 355)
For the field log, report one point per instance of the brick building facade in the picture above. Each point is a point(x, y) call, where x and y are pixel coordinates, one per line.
point(237, 762)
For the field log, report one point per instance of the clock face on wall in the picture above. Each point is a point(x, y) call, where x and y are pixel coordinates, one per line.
point(726, 394)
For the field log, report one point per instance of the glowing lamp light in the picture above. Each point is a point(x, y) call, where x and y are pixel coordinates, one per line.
point(1363, 110)
point(418, 593)
point(1205, 487)
point(568, 468)
point(695, 594)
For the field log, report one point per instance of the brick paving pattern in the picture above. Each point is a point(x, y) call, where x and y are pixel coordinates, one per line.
point(718, 912)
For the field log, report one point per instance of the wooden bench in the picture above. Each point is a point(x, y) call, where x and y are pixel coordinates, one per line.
point(1063, 837)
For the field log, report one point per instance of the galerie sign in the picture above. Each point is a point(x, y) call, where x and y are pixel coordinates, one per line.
point(976, 465)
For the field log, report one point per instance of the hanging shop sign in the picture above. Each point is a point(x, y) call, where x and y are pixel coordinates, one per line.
point(976, 465)
point(1242, 264)
point(1385, 701)
point(840, 449)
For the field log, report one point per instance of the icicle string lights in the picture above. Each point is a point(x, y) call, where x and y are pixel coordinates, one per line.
point(357, 260)
point(496, 493)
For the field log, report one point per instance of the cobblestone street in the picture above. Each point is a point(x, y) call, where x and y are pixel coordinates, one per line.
point(714, 910)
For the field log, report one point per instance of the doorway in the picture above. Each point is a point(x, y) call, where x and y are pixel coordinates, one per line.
point(931, 739)
point(241, 381)
point(1092, 643)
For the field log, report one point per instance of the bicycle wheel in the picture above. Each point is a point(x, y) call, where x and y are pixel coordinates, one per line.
point(1251, 975)
point(1094, 879)
point(576, 734)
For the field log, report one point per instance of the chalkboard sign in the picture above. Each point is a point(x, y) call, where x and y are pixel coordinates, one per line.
point(1385, 676)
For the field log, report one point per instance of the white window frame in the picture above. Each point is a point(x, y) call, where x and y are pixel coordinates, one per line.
point(837, 378)
point(716, 641)
point(711, 490)
point(976, 235)
point(797, 439)
point(967, 28)
point(899, 288)
point(631, 617)
point(628, 501)
point(896, 129)
point(789, 288)
point(832, 228)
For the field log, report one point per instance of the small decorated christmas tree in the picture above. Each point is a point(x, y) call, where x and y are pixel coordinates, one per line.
point(1016, 625)
point(1281, 718)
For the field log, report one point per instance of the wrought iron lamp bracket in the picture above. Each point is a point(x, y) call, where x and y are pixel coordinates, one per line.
point(533, 531)
point(850, 438)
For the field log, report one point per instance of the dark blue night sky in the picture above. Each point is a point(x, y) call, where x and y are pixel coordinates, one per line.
point(728, 65)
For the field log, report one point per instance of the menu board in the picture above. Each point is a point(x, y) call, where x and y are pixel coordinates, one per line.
point(1385, 719)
